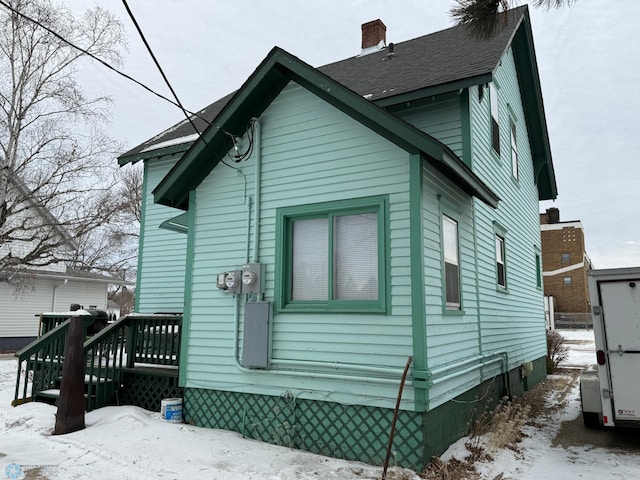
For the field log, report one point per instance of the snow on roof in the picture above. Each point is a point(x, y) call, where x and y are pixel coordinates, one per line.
point(174, 141)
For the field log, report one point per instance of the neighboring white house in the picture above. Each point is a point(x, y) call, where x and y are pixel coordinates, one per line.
point(48, 291)
point(26, 293)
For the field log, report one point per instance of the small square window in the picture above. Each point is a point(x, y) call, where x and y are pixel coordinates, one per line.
point(565, 257)
point(567, 281)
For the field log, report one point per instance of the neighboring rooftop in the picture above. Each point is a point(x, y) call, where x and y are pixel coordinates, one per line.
point(552, 217)
point(73, 273)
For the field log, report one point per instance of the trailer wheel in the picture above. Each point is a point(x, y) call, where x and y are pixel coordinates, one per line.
point(591, 420)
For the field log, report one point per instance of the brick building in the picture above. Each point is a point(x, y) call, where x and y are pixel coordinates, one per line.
point(565, 262)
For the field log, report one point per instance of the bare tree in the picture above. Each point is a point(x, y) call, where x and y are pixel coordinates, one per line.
point(55, 161)
point(125, 297)
point(112, 247)
point(481, 16)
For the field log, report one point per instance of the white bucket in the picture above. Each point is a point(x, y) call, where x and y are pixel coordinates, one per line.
point(171, 410)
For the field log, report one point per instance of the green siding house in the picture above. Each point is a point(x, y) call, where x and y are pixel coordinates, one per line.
point(329, 223)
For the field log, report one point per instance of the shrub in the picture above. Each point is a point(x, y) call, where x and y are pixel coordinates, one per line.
point(557, 351)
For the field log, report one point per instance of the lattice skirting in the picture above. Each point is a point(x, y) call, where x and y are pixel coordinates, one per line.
point(352, 432)
point(146, 390)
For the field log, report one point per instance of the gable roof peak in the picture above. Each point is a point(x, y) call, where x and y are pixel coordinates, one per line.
point(262, 87)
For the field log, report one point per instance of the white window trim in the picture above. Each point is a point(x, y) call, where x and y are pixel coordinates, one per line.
point(495, 115)
point(515, 167)
point(500, 247)
point(453, 260)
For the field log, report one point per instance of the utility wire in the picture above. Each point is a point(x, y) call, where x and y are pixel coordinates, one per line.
point(155, 60)
point(122, 74)
point(110, 67)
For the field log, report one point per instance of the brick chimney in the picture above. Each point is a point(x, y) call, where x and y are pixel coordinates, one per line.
point(373, 33)
point(553, 215)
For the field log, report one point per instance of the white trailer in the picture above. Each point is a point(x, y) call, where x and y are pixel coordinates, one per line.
point(610, 391)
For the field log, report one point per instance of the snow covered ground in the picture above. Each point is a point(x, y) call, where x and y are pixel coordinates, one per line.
point(131, 443)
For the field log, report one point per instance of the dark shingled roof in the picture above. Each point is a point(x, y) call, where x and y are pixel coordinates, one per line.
point(443, 59)
point(439, 58)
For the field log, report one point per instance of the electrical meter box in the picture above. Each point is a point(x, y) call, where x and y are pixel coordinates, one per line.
point(253, 278)
point(255, 343)
point(230, 282)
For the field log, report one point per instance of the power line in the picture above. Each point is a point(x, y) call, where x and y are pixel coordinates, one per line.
point(155, 60)
point(98, 59)
point(122, 74)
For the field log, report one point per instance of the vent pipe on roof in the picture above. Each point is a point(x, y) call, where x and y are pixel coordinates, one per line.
point(374, 36)
point(391, 50)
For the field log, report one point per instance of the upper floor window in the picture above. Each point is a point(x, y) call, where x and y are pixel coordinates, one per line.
point(567, 281)
point(565, 257)
point(501, 273)
point(514, 151)
point(451, 263)
point(333, 256)
point(495, 116)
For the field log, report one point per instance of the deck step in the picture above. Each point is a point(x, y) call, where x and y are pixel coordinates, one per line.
point(153, 370)
point(51, 393)
point(51, 396)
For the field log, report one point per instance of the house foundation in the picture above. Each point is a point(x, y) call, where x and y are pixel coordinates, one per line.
point(352, 432)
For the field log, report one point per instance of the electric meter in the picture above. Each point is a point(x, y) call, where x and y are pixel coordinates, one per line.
point(249, 277)
point(232, 280)
point(253, 278)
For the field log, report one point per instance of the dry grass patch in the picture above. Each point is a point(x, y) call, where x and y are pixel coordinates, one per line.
point(502, 427)
point(454, 469)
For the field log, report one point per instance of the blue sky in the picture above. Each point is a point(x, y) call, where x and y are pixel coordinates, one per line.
point(587, 58)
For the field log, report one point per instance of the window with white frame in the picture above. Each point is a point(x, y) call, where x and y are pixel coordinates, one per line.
point(501, 273)
point(514, 152)
point(567, 281)
point(451, 263)
point(495, 118)
point(333, 256)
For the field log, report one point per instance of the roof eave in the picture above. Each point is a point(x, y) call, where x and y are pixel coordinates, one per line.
point(153, 153)
point(531, 93)
point(249, 101)
point(44, 274)
point(432, 91)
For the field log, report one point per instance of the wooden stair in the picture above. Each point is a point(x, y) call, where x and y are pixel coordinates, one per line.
point(134, 361)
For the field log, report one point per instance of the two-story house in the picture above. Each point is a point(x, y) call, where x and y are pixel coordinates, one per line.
point(330, 224)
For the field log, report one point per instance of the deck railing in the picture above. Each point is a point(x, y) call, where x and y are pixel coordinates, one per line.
point(156, 339)
point(129, 342)
point(40, 363)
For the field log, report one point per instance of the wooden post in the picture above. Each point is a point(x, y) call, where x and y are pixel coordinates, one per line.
point(70, 416)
